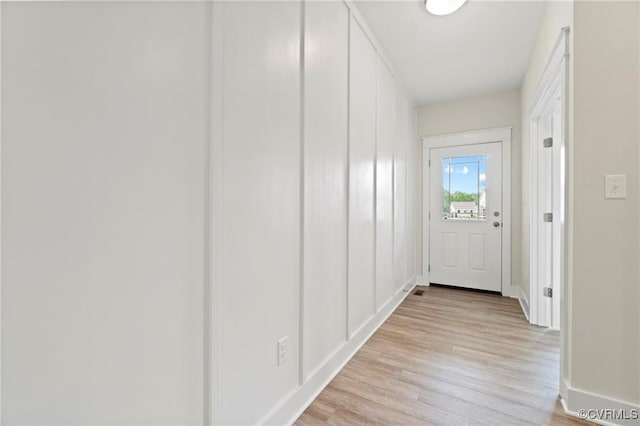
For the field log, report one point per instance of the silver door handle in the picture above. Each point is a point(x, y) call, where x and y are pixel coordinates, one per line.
point(496, 224)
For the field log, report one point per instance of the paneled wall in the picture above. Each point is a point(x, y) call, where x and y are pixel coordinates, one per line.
point(316, 234)
point(400, 192)
point(260, 226)
point(362, 157)
point(385, 140)
point(412, 233)
point(184, 185)
point(326, 69)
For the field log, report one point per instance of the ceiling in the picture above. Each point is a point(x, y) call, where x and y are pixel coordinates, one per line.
point(482, 48)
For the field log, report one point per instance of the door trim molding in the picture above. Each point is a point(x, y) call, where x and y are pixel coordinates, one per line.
point(554, 79)
point(0, 220)
point(556, 75)
point(499, 134)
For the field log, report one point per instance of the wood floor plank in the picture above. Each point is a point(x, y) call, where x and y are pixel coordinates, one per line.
point(422, 410)
point(321, 411)
point(369, 411)
point(348, 418)
point(307, 419)
point(449, 357)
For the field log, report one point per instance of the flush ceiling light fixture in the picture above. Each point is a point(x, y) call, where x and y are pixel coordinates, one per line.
point(443, 7)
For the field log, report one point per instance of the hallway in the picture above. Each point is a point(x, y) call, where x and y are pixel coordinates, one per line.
point(448, 357)
point(212, 212)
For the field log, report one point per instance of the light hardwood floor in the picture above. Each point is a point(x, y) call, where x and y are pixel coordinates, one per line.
point(448, 357)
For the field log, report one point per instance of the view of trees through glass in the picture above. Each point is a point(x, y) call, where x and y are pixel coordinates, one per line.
point(464, 192)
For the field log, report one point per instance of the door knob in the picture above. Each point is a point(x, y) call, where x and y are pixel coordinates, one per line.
point(496, 224)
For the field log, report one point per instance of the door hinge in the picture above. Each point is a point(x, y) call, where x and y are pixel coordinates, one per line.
point(429, 268)
point(547, 217)
point(547, 143)
point(429, 215)
point(547, 292)
point(429, 163)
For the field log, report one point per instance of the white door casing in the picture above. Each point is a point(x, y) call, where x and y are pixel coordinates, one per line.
point(501, 136)
point(544, 233)
point(553, 87)
point(549, 242)
point(546, 236)
point(558, 200)
point(466, 236)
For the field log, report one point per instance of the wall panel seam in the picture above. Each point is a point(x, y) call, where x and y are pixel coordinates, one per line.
point(216, 188)
point(1, 7)
point(375, 192)
point(206, 359)
point(301, 322)
point(348, 171)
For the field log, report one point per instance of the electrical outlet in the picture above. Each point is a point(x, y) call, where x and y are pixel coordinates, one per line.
point(283, 350)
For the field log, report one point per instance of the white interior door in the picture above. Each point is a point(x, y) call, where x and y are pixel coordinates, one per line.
point(465, 223)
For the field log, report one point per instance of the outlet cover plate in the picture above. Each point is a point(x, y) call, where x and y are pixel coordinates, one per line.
point(283, 350)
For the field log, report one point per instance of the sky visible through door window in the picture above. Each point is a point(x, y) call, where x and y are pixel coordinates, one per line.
point(464, 192)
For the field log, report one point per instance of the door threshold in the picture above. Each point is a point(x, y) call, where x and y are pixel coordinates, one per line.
point(475, 290)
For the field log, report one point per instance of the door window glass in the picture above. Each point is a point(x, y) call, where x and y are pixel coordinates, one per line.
point(464, 188)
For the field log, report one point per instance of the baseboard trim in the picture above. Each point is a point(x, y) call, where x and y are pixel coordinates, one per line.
point(300, 398)
point(422, 280)
point(524, 303)
point(410, 284)
point(398, 290)
point(563, 391)
point(577, 400)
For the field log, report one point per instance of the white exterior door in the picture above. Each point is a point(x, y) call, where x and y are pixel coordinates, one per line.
point(465, 223)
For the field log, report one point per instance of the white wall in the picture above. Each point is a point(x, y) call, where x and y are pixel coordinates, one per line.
point(400, 190)
point(104, 113)
point(603, 332)
point(500, 109)
point(414, 200)
point(319, 178)
point(385, 138)
point(362, 157)
point(605, 291)
point(414, 241)
point(183, 186)
point(326, 72)
point(260, 207)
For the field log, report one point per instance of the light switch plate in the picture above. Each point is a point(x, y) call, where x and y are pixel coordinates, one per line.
point(615, 186)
